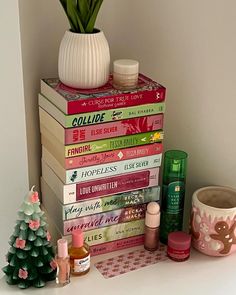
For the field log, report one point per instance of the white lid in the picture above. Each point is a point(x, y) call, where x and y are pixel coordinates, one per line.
point(125, 66)
point(152, 218)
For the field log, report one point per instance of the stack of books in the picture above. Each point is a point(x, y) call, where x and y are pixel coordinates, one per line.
point(101, 155)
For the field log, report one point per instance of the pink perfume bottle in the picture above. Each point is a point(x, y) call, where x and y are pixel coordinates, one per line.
point(79, 254)
point(63, 263)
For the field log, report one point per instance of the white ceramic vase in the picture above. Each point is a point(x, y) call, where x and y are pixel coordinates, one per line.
point(84, 60)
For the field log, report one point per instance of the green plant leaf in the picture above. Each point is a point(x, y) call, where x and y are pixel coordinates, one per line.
point(95, 9)
point(83, 8)
point(82, 14)
point(74, 18)
point(90, 3)
point(63, 3)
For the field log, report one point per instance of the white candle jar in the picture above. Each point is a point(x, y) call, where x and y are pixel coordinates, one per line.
point(125, 74)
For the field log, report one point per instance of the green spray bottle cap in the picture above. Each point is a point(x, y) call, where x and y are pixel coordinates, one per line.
point(175, 164)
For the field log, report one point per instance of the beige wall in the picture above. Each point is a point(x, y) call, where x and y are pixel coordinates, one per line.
point(190, 47)
point(13, 155)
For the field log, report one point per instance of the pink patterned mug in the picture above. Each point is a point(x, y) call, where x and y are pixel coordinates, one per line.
point(213, 220)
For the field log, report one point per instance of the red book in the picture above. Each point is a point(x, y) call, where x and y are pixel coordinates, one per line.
point(75, 101)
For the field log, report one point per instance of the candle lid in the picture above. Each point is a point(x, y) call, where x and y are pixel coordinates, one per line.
point(126, 66)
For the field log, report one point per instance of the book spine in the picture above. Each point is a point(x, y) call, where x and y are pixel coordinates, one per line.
point(113, 156)
point(104, 219)
point(103, 187)
point(116, 245)
point(112, 115)
point(107, 170)
point(99, 205)
point(114, 232)
point(113, 129)
point(114, 185)
point(113, 143)
point(116, 101)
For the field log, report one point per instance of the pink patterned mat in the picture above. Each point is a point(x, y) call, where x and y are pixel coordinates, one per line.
point(127, 262)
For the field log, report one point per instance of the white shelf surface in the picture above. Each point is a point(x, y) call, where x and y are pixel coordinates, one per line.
point(201, 274)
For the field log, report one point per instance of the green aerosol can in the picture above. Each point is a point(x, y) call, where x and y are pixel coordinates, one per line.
point(173, 192)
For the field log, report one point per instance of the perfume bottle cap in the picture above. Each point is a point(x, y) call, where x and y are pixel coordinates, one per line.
point(77, 238)
point(152, 217)
point(62, 248)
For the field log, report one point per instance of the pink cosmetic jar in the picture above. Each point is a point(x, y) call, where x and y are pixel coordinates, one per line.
point(179, 244)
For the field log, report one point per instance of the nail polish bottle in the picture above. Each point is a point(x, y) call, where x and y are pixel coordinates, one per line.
point(63, 263)
point(79, 254)
point(152, 227)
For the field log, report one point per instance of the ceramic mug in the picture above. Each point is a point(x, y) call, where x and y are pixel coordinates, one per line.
point(213, 220)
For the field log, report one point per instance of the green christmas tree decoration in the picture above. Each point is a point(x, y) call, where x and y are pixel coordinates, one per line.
point(31, 256)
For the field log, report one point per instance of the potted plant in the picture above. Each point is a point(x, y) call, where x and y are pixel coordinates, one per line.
point(84, 57)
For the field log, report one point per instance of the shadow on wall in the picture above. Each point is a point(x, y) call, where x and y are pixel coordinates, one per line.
point(42, 26)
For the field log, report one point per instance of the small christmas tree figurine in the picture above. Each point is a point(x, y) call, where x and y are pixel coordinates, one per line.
point(31, 256)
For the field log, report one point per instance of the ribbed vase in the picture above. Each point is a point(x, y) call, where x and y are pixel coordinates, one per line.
point(84, 60)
